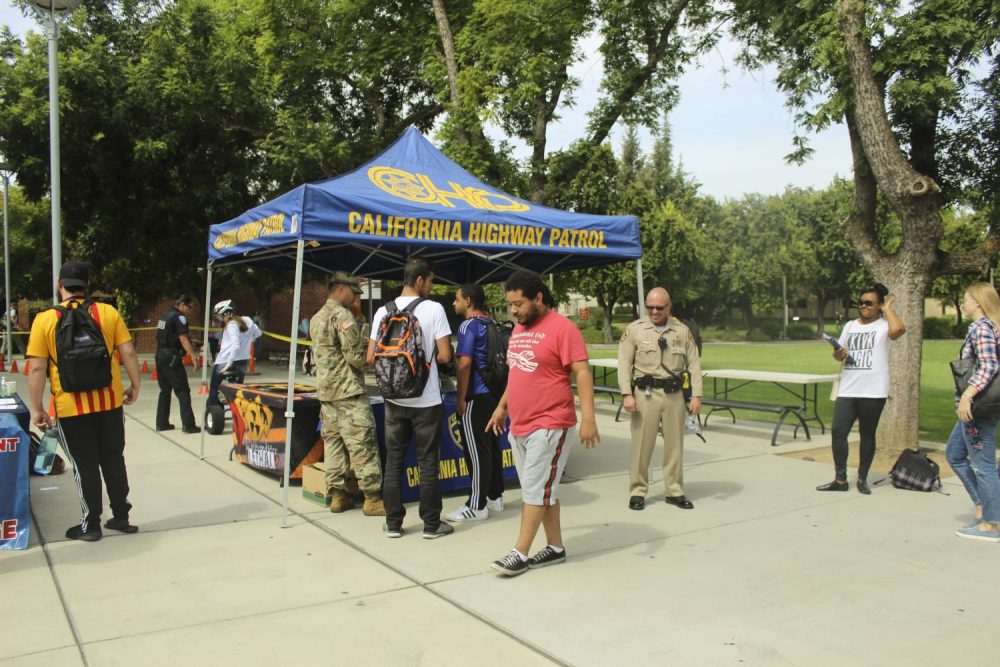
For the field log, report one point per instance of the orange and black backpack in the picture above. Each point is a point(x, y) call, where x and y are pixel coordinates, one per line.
point(401, 367)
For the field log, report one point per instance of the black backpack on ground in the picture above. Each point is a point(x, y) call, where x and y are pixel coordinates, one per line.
point(401, 366)
point(495, 371)
point(82, 356)
point(915, 471)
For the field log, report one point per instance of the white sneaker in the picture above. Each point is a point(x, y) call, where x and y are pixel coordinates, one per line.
point(466, 513)
point(495, 504)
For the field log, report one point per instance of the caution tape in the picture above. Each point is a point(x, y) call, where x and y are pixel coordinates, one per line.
point(286, 339)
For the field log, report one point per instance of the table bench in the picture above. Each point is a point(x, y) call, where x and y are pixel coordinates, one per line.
point(728, 405)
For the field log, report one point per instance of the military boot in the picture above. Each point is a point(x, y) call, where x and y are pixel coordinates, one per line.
point(340, 501)
point(373, 504)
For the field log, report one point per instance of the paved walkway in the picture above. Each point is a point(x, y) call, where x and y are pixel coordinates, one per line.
point(765, 570)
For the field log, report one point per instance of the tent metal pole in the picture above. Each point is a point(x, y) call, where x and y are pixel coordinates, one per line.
point(206, 352)
point(642, 289)
point(292, 369)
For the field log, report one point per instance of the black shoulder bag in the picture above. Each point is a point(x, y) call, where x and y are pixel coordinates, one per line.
point(986, 404)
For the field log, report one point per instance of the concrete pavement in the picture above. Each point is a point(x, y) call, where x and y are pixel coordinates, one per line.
point(764, 571)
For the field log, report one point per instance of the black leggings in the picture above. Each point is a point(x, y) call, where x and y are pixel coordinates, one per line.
point(845, 411)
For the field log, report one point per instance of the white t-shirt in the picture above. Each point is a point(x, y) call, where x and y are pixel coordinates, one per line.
point(235, 344)
point(868, 344)
point(434, 326)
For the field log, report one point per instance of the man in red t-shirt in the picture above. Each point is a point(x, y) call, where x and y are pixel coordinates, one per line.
point(545, 350)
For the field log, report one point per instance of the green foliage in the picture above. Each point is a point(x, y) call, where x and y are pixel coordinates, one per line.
point(800, 331)
point(937, 328)
point(770, 328)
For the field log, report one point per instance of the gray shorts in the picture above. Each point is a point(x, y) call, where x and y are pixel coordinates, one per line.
point(540, 458)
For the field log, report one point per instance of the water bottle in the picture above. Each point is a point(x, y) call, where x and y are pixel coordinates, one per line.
point(692, 424)
point(3, 387)
point(46, 452)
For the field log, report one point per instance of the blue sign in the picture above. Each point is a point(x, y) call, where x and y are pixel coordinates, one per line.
point(15, 513)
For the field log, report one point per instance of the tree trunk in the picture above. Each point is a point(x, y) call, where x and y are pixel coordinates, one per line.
point(957, 302)
point(820, 307)
point(746, 307)
point(451, 63)
point(608, 307)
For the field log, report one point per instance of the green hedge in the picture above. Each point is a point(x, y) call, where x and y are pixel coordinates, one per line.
point(800, 331)
point(939, 328)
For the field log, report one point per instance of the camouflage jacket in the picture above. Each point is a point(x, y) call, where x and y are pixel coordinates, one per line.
point(339, 352)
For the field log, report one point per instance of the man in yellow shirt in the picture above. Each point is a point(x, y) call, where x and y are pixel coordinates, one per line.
point(91, 423)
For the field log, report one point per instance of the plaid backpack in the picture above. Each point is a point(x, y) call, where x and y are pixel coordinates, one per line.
point(401, 367)
point(915, 471)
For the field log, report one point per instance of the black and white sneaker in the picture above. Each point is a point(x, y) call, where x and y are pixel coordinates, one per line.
point(547, 556)
point(466, 513)
point(510, 565)
point(391, 532)
point(442, 530)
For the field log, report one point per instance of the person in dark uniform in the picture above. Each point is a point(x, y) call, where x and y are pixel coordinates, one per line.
point(172, 343)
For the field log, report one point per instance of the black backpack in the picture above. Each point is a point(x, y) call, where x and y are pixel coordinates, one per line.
point(83, 358)
point(915, 471)
point(495, 371)
point(401, 367)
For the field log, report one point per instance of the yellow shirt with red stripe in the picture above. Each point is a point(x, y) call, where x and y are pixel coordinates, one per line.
point(42, 344)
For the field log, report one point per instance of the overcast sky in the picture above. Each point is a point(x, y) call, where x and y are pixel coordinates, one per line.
point(731, 132)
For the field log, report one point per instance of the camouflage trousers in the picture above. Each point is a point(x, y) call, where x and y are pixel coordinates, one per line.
point(349, 442)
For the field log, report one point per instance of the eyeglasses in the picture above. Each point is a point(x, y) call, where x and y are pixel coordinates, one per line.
point(649, 307)
point(866, 302)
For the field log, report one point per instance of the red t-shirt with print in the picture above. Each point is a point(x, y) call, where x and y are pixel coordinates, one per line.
point(539, 388)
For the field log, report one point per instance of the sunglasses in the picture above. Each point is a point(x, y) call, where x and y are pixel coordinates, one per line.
point(866, 302)
point(649, 307)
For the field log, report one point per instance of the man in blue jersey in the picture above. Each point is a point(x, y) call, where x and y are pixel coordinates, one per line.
point(475, 405)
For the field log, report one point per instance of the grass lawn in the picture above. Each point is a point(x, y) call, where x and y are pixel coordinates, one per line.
point(937, 412)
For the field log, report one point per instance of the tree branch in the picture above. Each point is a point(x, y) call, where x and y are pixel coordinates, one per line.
point(859, 227)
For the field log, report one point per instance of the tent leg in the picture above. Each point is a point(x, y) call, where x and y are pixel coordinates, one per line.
point(638, 282)
point(292, 369)
point(206, 352)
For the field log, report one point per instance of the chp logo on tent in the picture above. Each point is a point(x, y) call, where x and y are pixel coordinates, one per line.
point(420, 188)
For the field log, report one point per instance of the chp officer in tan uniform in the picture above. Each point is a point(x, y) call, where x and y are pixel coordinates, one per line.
point(348, 425)
point(652, 353)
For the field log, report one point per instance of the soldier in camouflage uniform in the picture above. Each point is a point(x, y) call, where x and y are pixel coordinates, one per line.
point(348, 424)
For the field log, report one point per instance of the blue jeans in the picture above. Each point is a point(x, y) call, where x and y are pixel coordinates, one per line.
point(236, 373)
point(972, 454)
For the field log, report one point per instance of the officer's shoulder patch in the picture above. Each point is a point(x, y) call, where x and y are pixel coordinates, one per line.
point(183, 319)
point(625, 334)
point(347, 324)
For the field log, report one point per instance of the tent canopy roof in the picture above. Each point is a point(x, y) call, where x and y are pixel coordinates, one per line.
point(411, 199)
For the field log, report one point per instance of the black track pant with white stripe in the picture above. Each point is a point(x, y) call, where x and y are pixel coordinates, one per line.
point(96, 444)
point(482, 452)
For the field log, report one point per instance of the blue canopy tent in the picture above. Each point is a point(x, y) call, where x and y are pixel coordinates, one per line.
point(411, 199)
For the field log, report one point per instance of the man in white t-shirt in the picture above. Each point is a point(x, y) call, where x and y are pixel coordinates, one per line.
point(420, 417)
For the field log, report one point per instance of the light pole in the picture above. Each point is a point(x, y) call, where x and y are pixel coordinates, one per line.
point(6, 169)
point(48, 11)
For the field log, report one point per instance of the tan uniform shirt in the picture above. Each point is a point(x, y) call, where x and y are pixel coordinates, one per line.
point(639, 354)
point(339, 352)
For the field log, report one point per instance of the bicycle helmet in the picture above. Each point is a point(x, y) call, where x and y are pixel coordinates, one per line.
point(222, 308)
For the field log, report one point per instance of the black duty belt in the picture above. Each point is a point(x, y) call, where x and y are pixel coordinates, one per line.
point(668, 385)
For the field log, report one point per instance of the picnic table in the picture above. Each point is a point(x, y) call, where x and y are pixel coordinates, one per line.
point(804, 387)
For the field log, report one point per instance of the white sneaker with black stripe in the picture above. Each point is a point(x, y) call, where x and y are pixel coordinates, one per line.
point(510, 565)
point(466, 513)
point(495, 504)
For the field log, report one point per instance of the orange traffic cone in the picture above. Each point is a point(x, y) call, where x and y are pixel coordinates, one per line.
point(13, 366)
point(203, 389)
point(153, 376)
point(27, 362)
point(201, 360)
point(145, 366)
point(187, 360)
point(3, 364)
point(253, 361)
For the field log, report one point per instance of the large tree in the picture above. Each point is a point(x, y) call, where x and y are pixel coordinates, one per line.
point(902, 77)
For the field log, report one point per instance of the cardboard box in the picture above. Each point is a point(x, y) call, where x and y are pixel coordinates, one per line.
point(314, 483)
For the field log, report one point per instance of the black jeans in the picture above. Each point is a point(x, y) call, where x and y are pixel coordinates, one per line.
point(96, 444)
point(171, 376)
point(424, 424)
point(481, 451)
point(867, 412)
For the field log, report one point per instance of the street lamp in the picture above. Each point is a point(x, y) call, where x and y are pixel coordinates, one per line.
point(48, 11)
point(6, 169)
